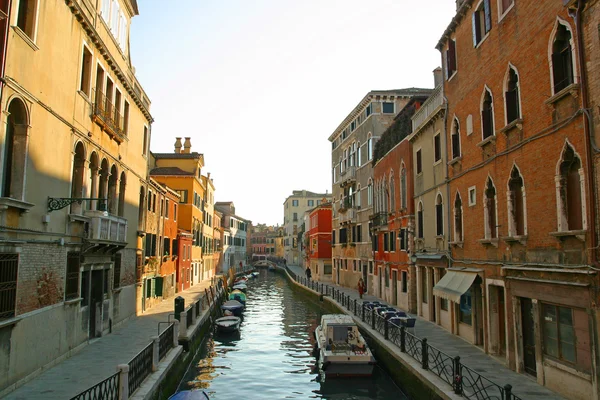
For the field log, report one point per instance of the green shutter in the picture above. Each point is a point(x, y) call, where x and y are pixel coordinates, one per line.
point(158, 288)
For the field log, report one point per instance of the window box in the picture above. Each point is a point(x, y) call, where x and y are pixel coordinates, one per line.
point(572, 89)
point(514, 239)
point(489, 242)
point(22, 206)
point(580, 234)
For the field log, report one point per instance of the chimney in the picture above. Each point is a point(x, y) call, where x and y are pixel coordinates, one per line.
point(437, 77)
point(208, 175)
point(187, 145)
point(177, 145)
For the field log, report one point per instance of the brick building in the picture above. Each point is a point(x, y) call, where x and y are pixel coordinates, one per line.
point(392, 220)
point(518, 282)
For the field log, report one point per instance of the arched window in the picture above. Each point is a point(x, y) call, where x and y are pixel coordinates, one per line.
point(516, 204)
point(392, 189)
point(562, 58)
point(458, 226)
point(370, 147)
point(511, 96)
point(358, 157)
point(94, 184)
point(403, 192)
point(112, 190)
point(487, 114)
point(489, 205)
point(420, 221)
point(570, 187)
point(103, 189)
point(122, 184)
point(370, 193)
point(77, 186)
point(350, 199)
point(439, 215)
point(15, 151)
point(455, 139)
point(358, 198)
point(141, 209)
point(344, 161)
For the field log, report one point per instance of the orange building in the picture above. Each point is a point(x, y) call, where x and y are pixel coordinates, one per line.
point(184, 260)
point(318, 248)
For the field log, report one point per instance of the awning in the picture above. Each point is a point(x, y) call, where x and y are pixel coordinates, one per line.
point(453, 285)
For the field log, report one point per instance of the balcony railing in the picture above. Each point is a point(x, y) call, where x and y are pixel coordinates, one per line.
point(104, 226)
point(428, 108)
point(108, 116)
point(349, 216)
point(379, 219)
point(348, 176)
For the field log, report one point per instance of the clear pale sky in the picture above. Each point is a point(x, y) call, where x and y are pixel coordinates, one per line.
point(259, 85)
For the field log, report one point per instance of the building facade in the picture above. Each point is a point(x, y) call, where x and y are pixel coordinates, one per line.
point(208, 268)
point(520, 191)
point(294, 208)
point(234, 236)
point(69, 265)
point(353, 143)
point(319, 242)
point(185, 240)
point(218, 237)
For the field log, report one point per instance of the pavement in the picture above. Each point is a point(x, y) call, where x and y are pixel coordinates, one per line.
point(470, 355)
point(99, 359)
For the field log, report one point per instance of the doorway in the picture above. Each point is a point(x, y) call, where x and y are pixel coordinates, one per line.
point(96, 300)
point(365, 275)
point(501, 323)
point(527, 326)
point(395, 287)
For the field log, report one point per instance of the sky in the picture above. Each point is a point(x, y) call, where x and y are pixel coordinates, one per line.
point(260, 85)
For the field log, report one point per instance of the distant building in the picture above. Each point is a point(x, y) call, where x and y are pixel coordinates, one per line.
point(294, 208)
point(318, 246)
point(234, 236)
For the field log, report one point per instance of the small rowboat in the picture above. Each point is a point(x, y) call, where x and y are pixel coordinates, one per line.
point(242, 287)
point(190, 395)
point(234, 306)
point(228, 324)
point(239, 296)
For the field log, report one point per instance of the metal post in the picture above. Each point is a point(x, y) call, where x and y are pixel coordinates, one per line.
point(424, 354)
point(372, 318)
point(386, 329)
point(183, 327)
point(155, 352)
point(403, 339)
point(123, 370)
point(457, 376)
point(354, 306)
point(176, 333)
point(193, 314)
point(364, 310)
point(507, 392)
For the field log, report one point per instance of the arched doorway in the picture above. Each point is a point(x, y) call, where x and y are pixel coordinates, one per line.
point(77, 187)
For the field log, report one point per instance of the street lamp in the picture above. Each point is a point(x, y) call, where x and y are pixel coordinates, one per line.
point(413, 258)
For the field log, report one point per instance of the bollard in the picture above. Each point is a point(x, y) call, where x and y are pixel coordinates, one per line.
point(386, 329)
point(155, 352)
point(176, 333)
point(193, 315)
point(507, 392)
point(183, 325)
point(424, 354)
point(457, 376)
point(403, 339)
point(123, 370)
point(372, 318)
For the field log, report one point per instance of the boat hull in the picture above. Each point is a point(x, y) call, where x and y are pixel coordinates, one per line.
point(347, 369)
point(228, 324)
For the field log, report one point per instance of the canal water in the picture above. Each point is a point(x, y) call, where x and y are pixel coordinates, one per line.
point(271, 357)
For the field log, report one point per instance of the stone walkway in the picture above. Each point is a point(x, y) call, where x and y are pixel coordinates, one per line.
point(470, 355)
point(98, 360)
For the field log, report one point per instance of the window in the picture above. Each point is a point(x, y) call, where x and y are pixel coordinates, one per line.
point(487, 115)
point(9, 268)
point(458, 230)
point(358, 233)
point(294, 203)
point(166, 208)
point(126, 117)
point(504, 6)
point(392, 238)
point(392, 190)
point(311, 203)
point(369, 109)
point(370, 148)
point(516, 204)
point(387, 107)
point(15, 149)
point(482, 21)
point(72, 277)
point(455, 139)
point(86, 72)
point(489, 205)
point(404, 276)
point(472, 196)
point(333, 237)
point(183, 196)
point(465, 308)
point(370, 194)
point(343, 235)
point(420, 221)
point(559, 333)
point(439, 215)
point(26, 17)
point(77, 177)
point(451, 58)
point(358, 157)
point(386, 241)
point(295, 217)
point(419, 162)
point(511, 96)
point(570, 192)
point(403, 193)
point(437, 149)
point(358, 198)
point(375, 242)
point(424, 294)
point(562, 59)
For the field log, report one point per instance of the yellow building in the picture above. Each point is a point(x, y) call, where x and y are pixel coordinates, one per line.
point(182, 172)
point(209, 266)
point(75, 125)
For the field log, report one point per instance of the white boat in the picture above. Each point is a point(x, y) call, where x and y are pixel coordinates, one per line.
point(229, 323)
point(341, 349)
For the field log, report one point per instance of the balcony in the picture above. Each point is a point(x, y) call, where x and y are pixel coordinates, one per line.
point(348, 176)
point(108, 117)
point(349, 217)
point(379, 219)
point(106, 231)
point(346, 205)
point(430, 107)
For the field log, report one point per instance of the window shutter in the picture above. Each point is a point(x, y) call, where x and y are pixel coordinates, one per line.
point(475, 28)
point(487, 10)
point(452, 47)
point(158, 286)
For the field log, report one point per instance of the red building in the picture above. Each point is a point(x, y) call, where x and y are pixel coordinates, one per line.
point(184, 260)
point(392, 221)
point(520, 188)
point(318, 249)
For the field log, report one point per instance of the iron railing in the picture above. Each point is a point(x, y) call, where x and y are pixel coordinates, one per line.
point(110, 115)
point(464, 380)
point(165, 341)
point(140, 367)
point(189, 316)
point(108, 389)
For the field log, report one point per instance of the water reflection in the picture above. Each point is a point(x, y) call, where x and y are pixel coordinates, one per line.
point(271, 357)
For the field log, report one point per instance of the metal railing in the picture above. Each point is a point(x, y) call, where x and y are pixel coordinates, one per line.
point(108, 389)
point(165, 341)
point(139, 368)
point(110, 115)
point(464, 380)
point(379, 219)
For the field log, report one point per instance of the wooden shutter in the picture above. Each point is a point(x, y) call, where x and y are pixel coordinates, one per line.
point(158, 286)
point(476, 32)
point(487, 10)
point(452, 56)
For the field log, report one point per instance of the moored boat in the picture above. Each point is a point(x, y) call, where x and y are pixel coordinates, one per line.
point(190, 395)
point(238, 295)
point(341, 349)
point(234, 306)
point(242, 287)
point(229, 323)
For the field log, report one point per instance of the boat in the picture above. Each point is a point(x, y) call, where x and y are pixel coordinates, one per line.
point(242, 287)
point(234, 306)
point(229, 323)
point(238, 295)
point(190, 395)
point(255, 274)
point(341, 350)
